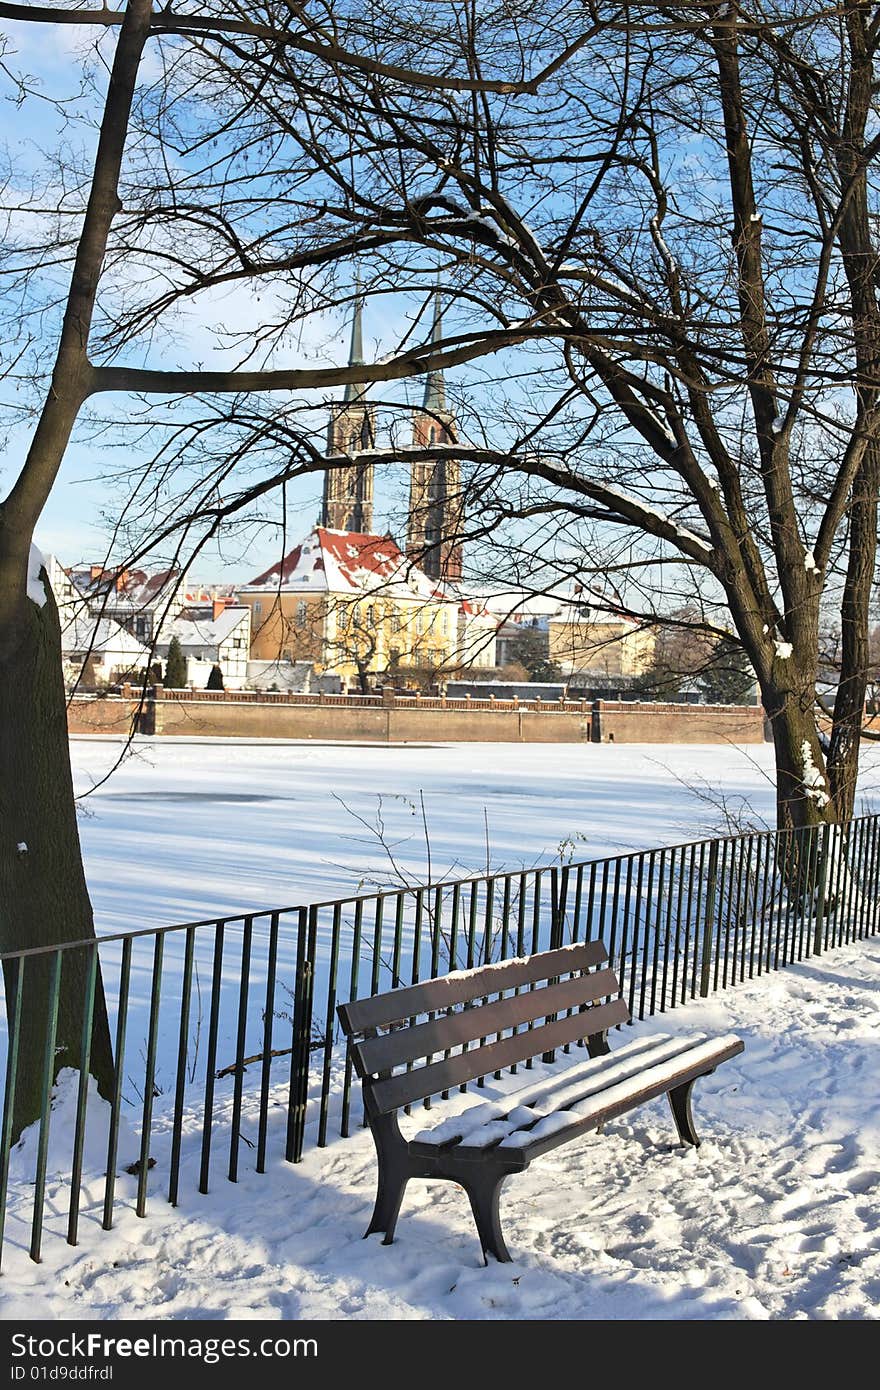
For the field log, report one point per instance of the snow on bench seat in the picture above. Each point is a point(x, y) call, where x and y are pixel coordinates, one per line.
point(558, 1102)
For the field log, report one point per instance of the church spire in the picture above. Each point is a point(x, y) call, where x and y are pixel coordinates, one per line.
point(435, 496)
point(435, 387)
point(353, 391)
point(348, 491)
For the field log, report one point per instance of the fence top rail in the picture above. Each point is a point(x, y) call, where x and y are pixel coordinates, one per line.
point(305, 910)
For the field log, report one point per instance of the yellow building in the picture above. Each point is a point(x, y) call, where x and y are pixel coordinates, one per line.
point(604, 645)
point(353, 605)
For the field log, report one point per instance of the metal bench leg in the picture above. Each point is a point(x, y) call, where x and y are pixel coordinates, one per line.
point(680, 1104)
point(394, 1174)
point(387, 1209)
point(484, 1190)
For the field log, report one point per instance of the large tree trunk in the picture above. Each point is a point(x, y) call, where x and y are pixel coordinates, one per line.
point(43, 894)
point(849, 703)
point(803, 796)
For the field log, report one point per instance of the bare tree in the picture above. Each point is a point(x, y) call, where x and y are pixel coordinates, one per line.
point(658, 229)
point(683, 222)
point(140, 231)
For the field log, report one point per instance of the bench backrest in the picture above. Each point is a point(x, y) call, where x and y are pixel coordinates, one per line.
point(512, 1011)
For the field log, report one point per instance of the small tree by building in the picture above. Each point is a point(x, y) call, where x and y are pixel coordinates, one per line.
point(215, 679)
point(175, 666)
point(728, 679)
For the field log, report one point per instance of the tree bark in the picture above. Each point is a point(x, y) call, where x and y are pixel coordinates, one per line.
point(43, 894)
point(849, 702)
point(802, 798)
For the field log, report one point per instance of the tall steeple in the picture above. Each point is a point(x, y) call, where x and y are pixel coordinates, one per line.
point(356, 351)
point(348, 491)
point(435, 387)
point(435, 501)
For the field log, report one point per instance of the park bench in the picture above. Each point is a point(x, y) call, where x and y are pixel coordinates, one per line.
point(423, 1040)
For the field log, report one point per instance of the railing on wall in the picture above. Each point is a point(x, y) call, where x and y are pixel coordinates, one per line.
point(226, 1045)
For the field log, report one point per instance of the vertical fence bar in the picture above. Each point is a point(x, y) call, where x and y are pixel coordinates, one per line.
point(615, 901)
point(116, 1102)
point(709, 920)
point(16, 991)
point(268, 1028)
point(692, 918)
point(875, 884)
point(536, 937)
point(240, 1048)
point(753, 921)
point(301, 1052)
point(436, 937)
point(149, 1078)
point(722, 912)
point(765, 921)
point(698, 918)
point(838, 857)
point(576, 910)
point(377, 947)
point(488, 922)
point(870, 877)
point(415, 966)
point(79, 1132)
point(859, 880)
point(802, 882)
point(864, 853)
point(736, 858)
point(821, 889)
point(667, 880)
point(45, 1107)
point(650, 916)
point(658, 915)
point(211, 1060)
point(624, 935)
point(520, 933)
point(591, 897)
point(329, 1027)
point(453, 950)
point(353, 985)
point(637, 923)
point(182, 1058)
point(806, 884)
point(679, 956)
point(396, 980)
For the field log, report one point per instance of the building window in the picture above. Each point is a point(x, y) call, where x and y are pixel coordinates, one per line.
point(301, 610)
point(258, 608)
point(371, 616)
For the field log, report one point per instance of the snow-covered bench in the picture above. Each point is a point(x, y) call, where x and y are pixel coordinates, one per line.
point(425, 1039)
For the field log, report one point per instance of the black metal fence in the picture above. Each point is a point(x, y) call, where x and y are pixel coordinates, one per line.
point(225, 1031)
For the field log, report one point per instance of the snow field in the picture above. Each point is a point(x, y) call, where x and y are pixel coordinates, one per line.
point(774, 1217)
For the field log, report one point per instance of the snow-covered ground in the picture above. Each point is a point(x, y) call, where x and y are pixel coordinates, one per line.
point(186, 830)
point(774, 1217)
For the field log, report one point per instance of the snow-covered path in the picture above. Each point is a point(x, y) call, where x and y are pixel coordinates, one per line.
point(775, 1217)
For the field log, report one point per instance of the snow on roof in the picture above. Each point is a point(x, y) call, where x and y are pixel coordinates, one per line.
point(125, 589)
point(204, 632)
point(82, 633)
point(346, 562)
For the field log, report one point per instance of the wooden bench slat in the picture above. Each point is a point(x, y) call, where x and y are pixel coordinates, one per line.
point(395, 1091)
point(617, 1100)
point(552, 1093)
point(390, 1050)
point(432, 996)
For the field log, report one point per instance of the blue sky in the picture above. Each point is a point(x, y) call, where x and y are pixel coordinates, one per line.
point(73, 525)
